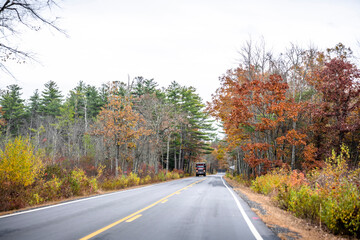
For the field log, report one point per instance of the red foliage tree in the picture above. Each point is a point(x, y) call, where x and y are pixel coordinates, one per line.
point(337, 115)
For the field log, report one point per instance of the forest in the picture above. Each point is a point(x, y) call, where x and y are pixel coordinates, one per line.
point(292, 125)
point(291, 130)
point(119, 135)
point(289, 111)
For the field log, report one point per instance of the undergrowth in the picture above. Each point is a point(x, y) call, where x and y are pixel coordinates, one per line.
point(26, 181)
point(328, 196)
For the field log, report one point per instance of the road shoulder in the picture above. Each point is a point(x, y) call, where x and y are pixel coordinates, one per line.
point(282, 223)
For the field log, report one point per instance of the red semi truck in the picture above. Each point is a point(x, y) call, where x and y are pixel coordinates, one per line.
point(200, 169)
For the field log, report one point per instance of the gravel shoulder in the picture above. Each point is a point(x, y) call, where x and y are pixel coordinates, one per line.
point(281, 222)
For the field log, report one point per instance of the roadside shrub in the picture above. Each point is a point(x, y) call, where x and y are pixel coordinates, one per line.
point(36, 199)
point(229, 175)
point(93, 185)
point(12, 196)
point(108, 184)
point(304, 202)
point(133, 179)
point(53, 170)
point(80, 183)
point(175, 175)
point(77, 180)
point(147, 179)
point(168, 175)
point(161, 176)
point(51, 189)
point(119, 182)
point(341, 210)
point(19, 164)
point(270, 182)
point(330, 195)
point(180, 172)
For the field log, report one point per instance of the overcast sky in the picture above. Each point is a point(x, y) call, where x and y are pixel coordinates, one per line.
point(190, 41)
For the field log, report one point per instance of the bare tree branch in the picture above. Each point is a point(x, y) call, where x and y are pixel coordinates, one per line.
point(29, 13)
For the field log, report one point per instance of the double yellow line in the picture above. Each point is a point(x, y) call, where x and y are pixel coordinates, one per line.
point(137, 214)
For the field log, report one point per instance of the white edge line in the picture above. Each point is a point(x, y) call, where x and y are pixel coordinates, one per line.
point(79, 200)
point(245, 216)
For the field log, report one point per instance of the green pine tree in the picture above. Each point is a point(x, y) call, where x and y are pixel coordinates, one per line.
point(13, 108)
point(51, 100)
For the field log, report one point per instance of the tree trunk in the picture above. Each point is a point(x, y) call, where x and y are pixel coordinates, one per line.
point(85, 117)
point(167, 153)
point(293, 151)
point(175, 167)
point(238, 162)
point(117, 160)
point(180, 162)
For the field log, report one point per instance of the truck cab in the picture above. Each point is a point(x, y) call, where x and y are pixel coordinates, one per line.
point(200, 169)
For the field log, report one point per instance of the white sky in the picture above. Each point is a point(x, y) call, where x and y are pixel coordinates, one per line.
point(190, 41)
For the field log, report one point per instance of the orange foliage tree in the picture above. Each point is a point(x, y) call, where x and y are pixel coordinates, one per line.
point(118, 123)
point(257, 116)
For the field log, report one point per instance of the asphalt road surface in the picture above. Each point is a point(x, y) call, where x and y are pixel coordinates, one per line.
point(190, 208)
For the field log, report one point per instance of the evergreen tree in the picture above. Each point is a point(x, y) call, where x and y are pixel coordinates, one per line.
point(77, 99)
point(194, 135)
point(199, 128)
point(94, 101)
point(13, 108)
point(33, 109)
point(86, 100)
point(51, 100)
point(144, 86)
point(34, 104)
point(104, 93)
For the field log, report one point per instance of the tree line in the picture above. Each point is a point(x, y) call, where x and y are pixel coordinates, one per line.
point(123, 127)
point(289, 110)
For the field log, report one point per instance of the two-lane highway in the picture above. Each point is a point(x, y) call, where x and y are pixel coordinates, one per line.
point(190, 208)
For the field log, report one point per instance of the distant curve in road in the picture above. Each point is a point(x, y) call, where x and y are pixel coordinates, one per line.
point(189, 208)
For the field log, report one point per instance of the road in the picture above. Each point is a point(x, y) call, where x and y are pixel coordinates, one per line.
point(190, 208)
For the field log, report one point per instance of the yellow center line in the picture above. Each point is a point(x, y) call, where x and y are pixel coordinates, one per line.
point(165, 201)
point(132, 219)
point(134, 214)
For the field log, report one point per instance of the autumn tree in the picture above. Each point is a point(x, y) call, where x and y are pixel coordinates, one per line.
point(117, 123)
point(256, 112)
point(161, 120)
point(336, 117)
point(220, 154)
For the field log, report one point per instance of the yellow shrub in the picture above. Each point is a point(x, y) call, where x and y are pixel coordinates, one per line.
point(36, 199)
point(330, 195)
point(268, 183)
point(133, 179)
point(19, 165)
point(52, 188)
point(168, 176)
point(146, 179)
point(175, 175)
